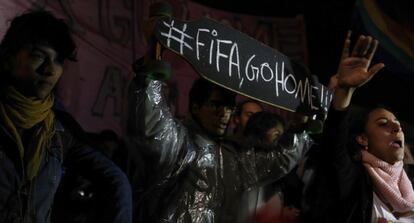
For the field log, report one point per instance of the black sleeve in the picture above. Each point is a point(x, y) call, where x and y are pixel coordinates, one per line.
point(334, 144)
point(93, 165)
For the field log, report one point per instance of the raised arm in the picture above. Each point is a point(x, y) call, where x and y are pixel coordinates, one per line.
point(151, 124)
point(354, 69)
point(277, 163)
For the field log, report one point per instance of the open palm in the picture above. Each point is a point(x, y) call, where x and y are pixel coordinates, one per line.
point(354, 68)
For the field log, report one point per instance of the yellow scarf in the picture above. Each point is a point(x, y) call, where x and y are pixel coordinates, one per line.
point(20, 112)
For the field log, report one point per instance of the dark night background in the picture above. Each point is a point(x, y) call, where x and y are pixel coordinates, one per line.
point(327, 22)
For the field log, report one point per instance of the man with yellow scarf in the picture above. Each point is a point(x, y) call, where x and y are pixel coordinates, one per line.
point(35, 140)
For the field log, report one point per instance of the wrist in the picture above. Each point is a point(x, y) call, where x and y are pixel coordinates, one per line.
point(342, 98)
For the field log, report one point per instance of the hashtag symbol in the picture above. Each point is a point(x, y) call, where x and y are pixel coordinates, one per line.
point(177, 35)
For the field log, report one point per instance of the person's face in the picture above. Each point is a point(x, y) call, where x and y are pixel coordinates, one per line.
point(274, 134)
point(214, 115)
point(248, 110)
point(35, 70)
point(383, 136)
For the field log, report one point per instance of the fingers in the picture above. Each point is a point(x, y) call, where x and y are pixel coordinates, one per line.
point(358, 48)
point(366, 46)
point(371, 50)
point(362, 46)
point(371, 72)
point(354, 62)
point(347, 44)
point(374, 69)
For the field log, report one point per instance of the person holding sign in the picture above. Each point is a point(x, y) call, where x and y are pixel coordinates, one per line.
point(372, 184)
point(274, 203)
point(36, 141)
point(197, 174)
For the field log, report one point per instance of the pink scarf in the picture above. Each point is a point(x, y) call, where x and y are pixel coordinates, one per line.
point(390, 182)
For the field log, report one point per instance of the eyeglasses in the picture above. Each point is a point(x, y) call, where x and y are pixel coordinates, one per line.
point(217, 104)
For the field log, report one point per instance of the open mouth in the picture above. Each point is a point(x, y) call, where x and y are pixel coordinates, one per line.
point(397, 143)
point(223, 125)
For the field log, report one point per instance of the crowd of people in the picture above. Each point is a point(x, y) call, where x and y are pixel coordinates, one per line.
point(269, 169)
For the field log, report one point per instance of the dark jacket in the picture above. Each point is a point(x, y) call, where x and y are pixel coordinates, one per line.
point(24, 202)
point(344, 178)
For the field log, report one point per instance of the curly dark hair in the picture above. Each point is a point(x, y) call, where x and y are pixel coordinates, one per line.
point(259, 123)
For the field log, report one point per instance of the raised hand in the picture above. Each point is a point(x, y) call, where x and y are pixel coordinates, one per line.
point(354, 69)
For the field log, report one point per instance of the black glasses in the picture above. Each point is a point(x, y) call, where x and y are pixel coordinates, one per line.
point(217, 104)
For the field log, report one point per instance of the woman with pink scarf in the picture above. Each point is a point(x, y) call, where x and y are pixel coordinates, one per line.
point(371, 183)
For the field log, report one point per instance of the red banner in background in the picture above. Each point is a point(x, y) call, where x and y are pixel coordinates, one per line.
point(109, 37)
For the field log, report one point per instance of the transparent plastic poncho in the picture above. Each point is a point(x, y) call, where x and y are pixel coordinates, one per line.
point(195, 177)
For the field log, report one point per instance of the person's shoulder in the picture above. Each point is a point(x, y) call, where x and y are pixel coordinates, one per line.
point(67, 124)
point(234, 140)
point(66, 120)
point(233, 144)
